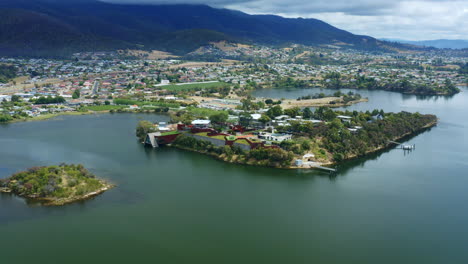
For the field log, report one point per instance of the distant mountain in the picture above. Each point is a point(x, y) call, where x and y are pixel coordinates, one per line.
point(58, 28)
point(436, 43)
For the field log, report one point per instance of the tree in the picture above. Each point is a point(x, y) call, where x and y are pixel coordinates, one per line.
point(307, 113)
point(143, 128)
point(245, 119)
point(325, 113)
point(183, 117)
point(275, 111)
point(15, 98)
point(264, 119)
point(219, 118)
point(106, 102)
point(5, 118)
point(292, 112)
point(76, 94)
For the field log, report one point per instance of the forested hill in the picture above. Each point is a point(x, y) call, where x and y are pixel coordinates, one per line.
point(52, 27)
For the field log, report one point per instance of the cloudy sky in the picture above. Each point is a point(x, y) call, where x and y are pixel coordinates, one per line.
point(402, 19)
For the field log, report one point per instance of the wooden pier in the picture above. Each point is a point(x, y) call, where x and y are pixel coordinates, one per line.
point(325, 168)
point(314, 165)
point(403, 146)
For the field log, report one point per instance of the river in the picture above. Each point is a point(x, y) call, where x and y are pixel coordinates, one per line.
point(172, 206)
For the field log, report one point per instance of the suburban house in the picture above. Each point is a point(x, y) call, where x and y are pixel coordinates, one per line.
point(274, 137)
point(201, 123)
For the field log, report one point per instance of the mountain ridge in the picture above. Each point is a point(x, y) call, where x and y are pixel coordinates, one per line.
point(84, 25)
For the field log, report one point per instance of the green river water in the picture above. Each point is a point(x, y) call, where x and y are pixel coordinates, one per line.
point(172, 206)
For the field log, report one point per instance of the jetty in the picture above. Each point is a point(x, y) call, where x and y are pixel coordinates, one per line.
point(404, 146)
point(313, 165)
point(324, 168)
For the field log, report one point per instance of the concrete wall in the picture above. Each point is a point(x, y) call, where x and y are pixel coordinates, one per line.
point(242, 146)
point(218, 142)
point(214, 141)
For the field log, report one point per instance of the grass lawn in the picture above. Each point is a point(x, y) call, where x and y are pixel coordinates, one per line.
point(219, 137)
point(104, 107)
point(243, 141)
point(193, 86)
point(203, 112)
point(170, 133)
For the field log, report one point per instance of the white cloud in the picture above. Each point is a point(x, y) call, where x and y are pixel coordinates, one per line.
point(405, 19)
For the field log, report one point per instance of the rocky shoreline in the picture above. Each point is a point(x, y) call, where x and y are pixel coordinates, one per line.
point(60, 201)
point(55, 185)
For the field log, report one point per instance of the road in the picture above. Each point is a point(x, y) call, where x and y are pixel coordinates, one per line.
point(95, 87)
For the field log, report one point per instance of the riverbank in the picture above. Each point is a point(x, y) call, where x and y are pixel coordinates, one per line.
point(74, 113)
point(331, 102)
point(232, 159)
point(49, 116)
point(62, 201)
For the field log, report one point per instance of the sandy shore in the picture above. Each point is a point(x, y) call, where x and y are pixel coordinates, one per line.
point(327, 101)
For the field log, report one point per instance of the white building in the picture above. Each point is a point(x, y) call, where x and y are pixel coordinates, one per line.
point(274, 137)
point(201, 123)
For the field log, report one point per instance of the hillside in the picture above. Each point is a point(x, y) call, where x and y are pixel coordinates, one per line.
point(52, 27)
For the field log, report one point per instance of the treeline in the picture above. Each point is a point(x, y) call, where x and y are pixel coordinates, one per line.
point(350, 96)
point(49, 100)
point(4, 118)
point(160, 103)
point(272, 157)
point(7, 72)
point(52, 181)
point(336, 81)
point(372, 130)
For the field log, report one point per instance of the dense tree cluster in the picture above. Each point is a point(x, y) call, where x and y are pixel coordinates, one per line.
point(76, 94)
point(273, 157)
point(49, 100)
point(336, 81)
point(53, 181)
point(5, 118)
point(376, 129)
point(143, 128)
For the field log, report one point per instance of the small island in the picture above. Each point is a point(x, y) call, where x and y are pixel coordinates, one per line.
point(55, 185)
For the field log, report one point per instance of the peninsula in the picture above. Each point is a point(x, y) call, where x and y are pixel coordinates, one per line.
point(55, 185)
point(290, 138)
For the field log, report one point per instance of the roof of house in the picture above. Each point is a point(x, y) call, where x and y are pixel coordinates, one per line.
point(344, 117)
point(256, 116)
point(201, 122)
